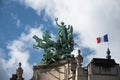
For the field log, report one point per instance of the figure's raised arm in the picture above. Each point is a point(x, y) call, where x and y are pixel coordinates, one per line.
point(56, 19)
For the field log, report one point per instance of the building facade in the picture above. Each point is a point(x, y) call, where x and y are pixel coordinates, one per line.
point(103, 69)
point(70, 69)
point(97, 69)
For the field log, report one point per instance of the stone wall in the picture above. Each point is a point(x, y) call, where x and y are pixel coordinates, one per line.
point(63, 70)
point(102, 72)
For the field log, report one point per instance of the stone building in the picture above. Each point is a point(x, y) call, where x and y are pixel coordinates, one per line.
point(70, 69)
point(103, 69)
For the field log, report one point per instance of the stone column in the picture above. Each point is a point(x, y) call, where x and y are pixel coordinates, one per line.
point(79, 61)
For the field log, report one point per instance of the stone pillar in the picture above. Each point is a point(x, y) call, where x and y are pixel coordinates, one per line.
point(79, 61)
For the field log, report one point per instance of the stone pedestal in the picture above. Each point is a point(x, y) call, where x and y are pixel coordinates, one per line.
point(63, 70)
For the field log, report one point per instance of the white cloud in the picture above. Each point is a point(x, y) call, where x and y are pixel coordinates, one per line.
point(3, 73)
point(17, 21)
point(2, 53)
point(89, 18)
point(19, 51)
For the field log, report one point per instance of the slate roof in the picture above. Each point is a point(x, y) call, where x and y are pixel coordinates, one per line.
point(104, 62)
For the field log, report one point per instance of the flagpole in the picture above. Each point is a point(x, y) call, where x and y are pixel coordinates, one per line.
point(105, 39)
point(108, 42)
point(108, 50)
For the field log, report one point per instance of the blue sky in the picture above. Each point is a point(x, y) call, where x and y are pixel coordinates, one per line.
point(21, 19)
point(16, 19)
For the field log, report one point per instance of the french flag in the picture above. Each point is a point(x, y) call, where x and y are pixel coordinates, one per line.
point(102, 39)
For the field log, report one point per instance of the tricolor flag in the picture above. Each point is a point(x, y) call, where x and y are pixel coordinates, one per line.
point(102, 39)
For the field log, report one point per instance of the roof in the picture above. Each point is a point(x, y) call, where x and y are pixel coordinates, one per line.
point(104, 62)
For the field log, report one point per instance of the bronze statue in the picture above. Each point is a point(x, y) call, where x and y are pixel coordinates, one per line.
point(62, 37)
point(55, 51)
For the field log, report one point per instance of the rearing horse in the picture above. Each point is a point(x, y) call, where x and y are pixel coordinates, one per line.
point(39, 43)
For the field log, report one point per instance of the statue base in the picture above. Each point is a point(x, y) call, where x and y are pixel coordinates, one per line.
point(62, 70)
